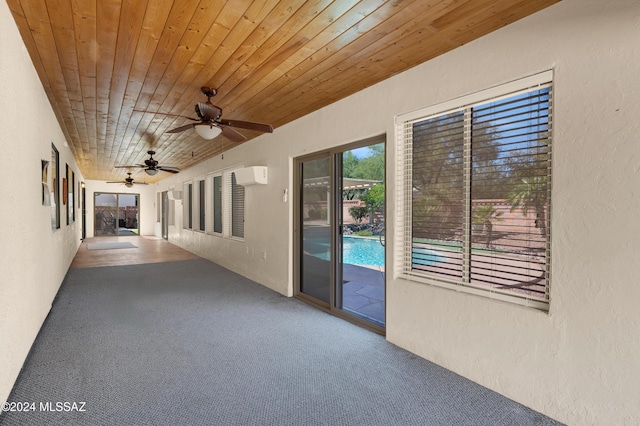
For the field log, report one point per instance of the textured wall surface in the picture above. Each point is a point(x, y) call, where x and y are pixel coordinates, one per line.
point(33, 258)
point(578, 363)
point(575, 363)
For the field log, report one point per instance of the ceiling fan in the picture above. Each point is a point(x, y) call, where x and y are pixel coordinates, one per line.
point(128, 182)
point(151, 166)
point(210, 122)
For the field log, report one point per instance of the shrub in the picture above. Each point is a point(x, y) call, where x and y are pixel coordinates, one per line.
point(323, 214)
point(314, 214)
point(358, 213)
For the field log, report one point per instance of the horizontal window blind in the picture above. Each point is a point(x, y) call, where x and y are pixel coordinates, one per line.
point(510, 192)
point(475, 207)
point(217, 204)
point(438, 190)
point(201, 205)
point(237, 208)
point(187, 206)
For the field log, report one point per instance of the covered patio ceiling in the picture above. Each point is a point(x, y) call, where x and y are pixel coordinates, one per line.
point(119, 74)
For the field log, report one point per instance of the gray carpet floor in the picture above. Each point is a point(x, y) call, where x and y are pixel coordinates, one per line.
point(191, 343)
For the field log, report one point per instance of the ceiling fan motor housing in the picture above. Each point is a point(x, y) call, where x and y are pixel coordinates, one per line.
point(209, 92)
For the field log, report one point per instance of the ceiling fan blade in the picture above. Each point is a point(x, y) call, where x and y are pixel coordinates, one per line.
point(209, 111)
point(168, 169)
point(116, 182)
point(180, 129)
point(139, 183)
point(231, 134)
point(249, 125)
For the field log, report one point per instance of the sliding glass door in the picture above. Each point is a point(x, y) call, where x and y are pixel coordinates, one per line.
point(360, 251)
point(340, 223)
point(116, 214)
point(315, 258)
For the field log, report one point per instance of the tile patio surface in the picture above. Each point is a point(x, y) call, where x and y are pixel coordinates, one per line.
point(363, 292)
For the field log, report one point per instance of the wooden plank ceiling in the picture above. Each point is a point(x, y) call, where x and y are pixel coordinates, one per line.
point(118, 72)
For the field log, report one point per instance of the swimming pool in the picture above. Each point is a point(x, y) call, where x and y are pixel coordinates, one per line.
point(369, 252)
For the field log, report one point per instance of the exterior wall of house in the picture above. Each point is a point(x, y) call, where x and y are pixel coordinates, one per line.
point(33, 258)
point(577, 363)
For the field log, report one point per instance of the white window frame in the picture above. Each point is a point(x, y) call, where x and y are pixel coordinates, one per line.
point(197, 226)
point(211, 212)
point(226, 208)
point(187, 202)
point(227, 204)
point(403, 228)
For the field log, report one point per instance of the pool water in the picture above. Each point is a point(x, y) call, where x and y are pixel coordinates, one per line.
point(362, 251)
point(369, 252)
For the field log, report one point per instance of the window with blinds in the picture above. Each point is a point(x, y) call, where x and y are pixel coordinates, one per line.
point(217, 204)
point(237, 208)
point(476, 192)
point(201, 205)
point(187, 206)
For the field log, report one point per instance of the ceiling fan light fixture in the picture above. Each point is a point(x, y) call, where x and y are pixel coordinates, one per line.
point(151, 172)
point(207, 131)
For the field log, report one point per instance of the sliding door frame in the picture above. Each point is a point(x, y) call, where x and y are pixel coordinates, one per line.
point(335, 197)
point(298, 231)
point(116, 224)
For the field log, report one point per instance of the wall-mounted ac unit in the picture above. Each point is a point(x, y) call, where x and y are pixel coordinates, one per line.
point(174, 195)
point(251, 175)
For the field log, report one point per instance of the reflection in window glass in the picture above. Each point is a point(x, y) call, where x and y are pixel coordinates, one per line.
point(480, 190)
point(217, 204)
point(116, 214)
point(201, 205)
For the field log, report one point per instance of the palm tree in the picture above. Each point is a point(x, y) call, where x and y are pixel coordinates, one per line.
point(531, 193)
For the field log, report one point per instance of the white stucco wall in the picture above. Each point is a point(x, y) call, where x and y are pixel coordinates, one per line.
point(33, 258)
point(267, 217)
point(578, 363)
